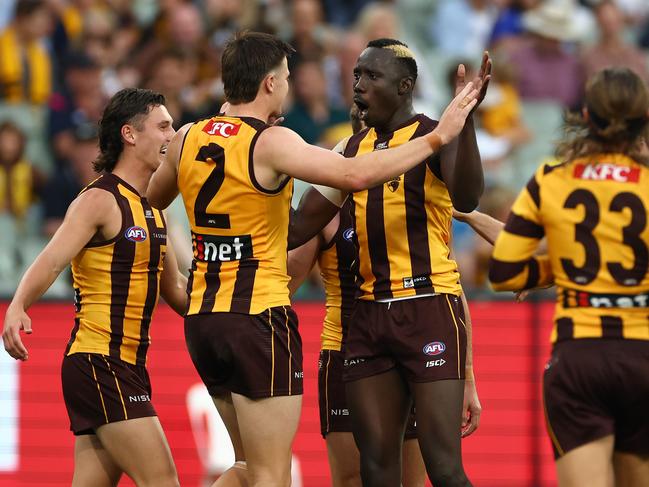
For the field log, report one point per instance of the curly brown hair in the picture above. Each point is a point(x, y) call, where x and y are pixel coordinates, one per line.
point(615, 118)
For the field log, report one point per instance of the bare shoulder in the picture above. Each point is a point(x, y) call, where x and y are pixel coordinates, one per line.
point(93, 205)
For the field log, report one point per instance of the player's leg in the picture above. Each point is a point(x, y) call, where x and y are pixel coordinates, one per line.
point(93, 466)
point(414, 469)
point(344, 460)
point(267, 428)
point(631, 470)
point(379, 407)
point(589, 464)
point(237, 475)
point(438, 408)
point(139, 447)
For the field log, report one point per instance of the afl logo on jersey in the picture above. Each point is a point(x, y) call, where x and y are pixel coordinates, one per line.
point(348, 234)
point(434, 348)
point(135, 234)
point(221, 129)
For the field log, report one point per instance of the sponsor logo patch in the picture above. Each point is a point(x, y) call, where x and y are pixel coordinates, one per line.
point(435, 363)
point(141, 398)
point(434, 348)
point(417, 282)
point(353, 361)
point(221, 129)
point(217, 248)
point(348, 234)
point(339, 412)
point(607, 172)
point(135, 234)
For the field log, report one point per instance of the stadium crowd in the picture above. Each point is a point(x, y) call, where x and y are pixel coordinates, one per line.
point(61, 60)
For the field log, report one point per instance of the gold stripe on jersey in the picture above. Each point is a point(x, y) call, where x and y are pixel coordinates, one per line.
point(239, 229)
point(116, 282)
point(336, 261)
point(403, 226)
point(593, 212)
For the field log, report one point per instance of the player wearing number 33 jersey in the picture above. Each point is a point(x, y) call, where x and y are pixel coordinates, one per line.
point(592, 209)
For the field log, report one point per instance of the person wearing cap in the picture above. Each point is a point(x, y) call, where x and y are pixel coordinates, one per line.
point(545, 70)
point(592, 210)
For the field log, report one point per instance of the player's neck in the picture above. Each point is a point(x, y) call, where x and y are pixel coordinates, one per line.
point(136, 175)
point(397, 120)
point(253, 110)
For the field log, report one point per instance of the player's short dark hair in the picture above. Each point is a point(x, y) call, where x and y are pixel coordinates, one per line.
point(127, 106)
point(401, 51)
point(247, 58)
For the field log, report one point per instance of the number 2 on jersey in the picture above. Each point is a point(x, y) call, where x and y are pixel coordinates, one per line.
point(623, 275)
point(211, 153)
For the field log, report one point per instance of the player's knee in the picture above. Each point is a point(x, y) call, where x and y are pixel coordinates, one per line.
point(377, 471)
point(448, 475)
point(167, 478)
point(348, 478)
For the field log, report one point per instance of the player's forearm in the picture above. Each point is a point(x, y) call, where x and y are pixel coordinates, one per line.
point(368, 170)
point(311, 216)
point(174, 292)
point(36, 280)
point(469, 335)
point(468, 180)
point(484, 225)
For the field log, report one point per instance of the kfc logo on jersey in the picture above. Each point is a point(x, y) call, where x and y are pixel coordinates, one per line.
point(221, 129)
point(135, 234)
point(607, 172)
point(434, 348)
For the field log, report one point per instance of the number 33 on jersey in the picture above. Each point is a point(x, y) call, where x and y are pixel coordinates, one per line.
point(594, 214)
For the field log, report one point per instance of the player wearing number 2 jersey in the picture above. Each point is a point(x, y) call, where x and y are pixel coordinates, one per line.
point(233, 172)
point(593, 211)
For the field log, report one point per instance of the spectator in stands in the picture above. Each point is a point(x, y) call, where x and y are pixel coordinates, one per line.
point(508, 26)
point(545, 69)
point(20, 181)
point(311, 115)
point(80, 102)
point(612, 50)
point(25, 65)
point(463, 27)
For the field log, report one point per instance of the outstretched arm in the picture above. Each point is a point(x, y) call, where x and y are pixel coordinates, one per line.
point(86, 215)
point(484, 225)
point(284, 152)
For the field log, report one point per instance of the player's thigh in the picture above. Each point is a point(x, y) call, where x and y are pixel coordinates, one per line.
point(344, 460)
point(141, 450)
point(438, 409)
point(93, 465)
point(267, 428)
point(589, 464)
point(631, 470)
point(225, 407)
point(413, 473)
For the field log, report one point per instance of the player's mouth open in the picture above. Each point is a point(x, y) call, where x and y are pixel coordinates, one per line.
point(362, 107)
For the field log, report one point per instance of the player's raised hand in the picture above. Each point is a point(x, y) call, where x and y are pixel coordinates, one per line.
point(480, 82)
point(16, 320)
point(452, 120)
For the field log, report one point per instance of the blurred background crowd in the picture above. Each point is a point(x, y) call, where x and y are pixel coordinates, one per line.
point(60, 60)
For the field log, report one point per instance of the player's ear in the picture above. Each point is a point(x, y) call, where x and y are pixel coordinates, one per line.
point(269, 82)
point(127, 133)
point(406, 85)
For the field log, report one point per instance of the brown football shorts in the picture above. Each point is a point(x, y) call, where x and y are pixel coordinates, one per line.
point(99, 389)
point(334, 413)
point(256, 356)
point(425, 338)
point(593, 388)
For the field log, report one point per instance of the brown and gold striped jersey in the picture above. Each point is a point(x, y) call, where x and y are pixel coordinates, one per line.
point(239, 229)
point(116, 282)
point(593, 212)
point(336, 261)
point(403, 226)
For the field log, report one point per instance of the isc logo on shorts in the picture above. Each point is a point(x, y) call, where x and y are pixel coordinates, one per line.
point(135, 234)
point(221, 129)
point(215, 248)
point(435, 363)
point(434, 348)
